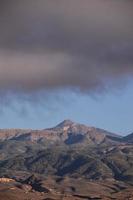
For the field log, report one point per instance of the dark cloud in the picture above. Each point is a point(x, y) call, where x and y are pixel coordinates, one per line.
point(56, 44)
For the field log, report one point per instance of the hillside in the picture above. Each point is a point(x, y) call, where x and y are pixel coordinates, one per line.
point(65, 153)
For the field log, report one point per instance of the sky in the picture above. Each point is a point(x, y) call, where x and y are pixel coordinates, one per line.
point(66, 59)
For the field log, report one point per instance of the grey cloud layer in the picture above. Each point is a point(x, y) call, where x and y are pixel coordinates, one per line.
point(54, 44)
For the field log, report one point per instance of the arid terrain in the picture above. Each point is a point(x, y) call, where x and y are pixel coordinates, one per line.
point(70, 162)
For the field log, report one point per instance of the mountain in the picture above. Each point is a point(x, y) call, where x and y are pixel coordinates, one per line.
point(55, 161)
point(67, 149)
point(67, 132)
point(128, 138)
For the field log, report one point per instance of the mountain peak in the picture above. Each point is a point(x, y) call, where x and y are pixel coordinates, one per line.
point(64, 125)
point(66, 122)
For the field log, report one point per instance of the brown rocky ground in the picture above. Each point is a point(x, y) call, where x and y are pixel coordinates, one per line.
point(54, 188)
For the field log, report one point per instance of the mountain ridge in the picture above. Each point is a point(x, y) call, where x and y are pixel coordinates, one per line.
point(67, 131)
point(63, 158)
